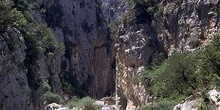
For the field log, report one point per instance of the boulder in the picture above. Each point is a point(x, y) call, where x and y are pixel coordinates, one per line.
point(187, 105)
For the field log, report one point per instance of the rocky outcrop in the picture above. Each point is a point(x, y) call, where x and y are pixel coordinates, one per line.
point(187, 105)
point(14, 89)
point(178, 26)
point(133, 55)
point(86, 67)
point(187, 24)
point(211, 101)
point(113, 10)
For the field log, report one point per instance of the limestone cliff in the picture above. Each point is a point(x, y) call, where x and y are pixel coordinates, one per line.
point(81, 27)
point(83, 66)
point(150, 27)
point(14, 89)
point(88, 55)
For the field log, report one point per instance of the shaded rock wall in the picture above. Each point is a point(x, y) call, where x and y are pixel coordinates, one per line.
point(84, 67)
point(87, 63)
point(14, 88)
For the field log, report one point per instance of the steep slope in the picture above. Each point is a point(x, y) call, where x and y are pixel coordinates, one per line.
point(59, 47)
point(164, 26)
point(81, 27)
point(14, 89)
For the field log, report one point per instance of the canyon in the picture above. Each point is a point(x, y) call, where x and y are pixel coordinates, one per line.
point(104, 46)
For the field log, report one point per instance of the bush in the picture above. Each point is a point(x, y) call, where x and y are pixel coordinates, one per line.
point(205, 106)
point(209, 68)
point(175, 77)
point(161, 105)
point(52, 98)
point(85, 103)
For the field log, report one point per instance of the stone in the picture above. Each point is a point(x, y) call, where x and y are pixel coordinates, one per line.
point(54, 105)
point(187, 105)
point(213, 95)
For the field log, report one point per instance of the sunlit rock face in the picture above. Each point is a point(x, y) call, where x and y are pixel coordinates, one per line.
point(185, 25)
point(132, 56)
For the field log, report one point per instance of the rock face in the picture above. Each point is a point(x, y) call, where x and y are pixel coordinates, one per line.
point(87, 65)
point(188, 105)
point(113, 10)
point(14, 89)
point(84, 67)
point(187, 23)
point(184, 25)
point(133, 54)
point(88, 60)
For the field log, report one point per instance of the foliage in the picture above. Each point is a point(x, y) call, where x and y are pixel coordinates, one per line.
point(143, 11)
point(85, 103)
point(209, 68)
point(174, 77)
point(49, 96)
point(46, 85)
point(195, 43)
point(38, 38)
point(161, 105)
point(17, 18)
point(5, 7)
point(158, 59)
point(113, 27)
point(205, 106)
point(184, 74)
point(52, 98)
point(21, 4)
point(128, 17)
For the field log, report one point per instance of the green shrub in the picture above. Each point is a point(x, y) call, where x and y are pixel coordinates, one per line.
point(85, 103)
point(184, 74)
point(195, 42)
point(209, 66)
point(175, 77)
point(17, 18)
point(52, 98)
point(161, 105)
point(73, 102)
point(205, 106)
point(38, 38)
point(128, 17)
point(46, 85)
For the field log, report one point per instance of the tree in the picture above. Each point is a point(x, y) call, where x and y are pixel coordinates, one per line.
point(175, 76)
point(209, 68)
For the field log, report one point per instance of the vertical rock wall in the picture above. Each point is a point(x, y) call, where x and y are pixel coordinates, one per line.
point(87, 62)
point(84, 67)
point(184, 25)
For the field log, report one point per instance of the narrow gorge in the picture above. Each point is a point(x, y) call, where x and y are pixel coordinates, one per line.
point(52, 51)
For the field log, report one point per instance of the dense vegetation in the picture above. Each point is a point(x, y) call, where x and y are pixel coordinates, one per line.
point(143, 11)
point(184, 74)
point(161, 105)
point(85, 103)
point(38, 38)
